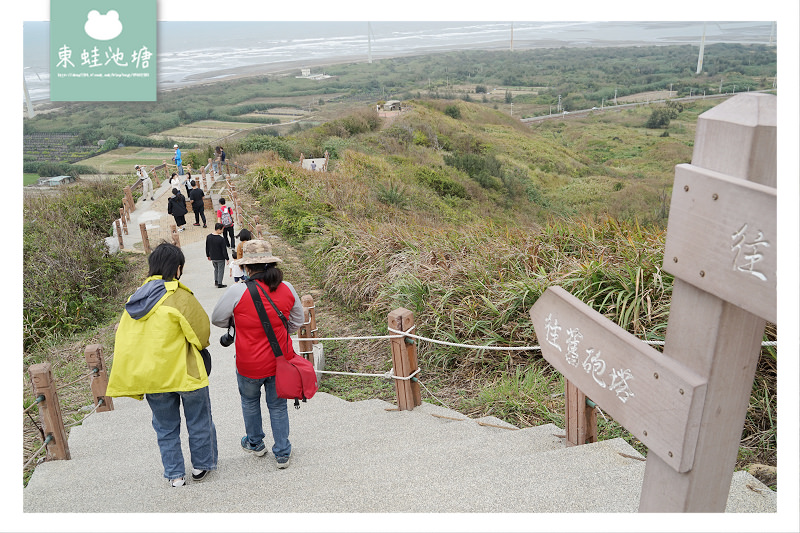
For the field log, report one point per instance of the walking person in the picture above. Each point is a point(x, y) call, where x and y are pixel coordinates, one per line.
point(157, 355)
point(255, 360)
point(177, 160)
point(187, 182)
point(176, 206)
point(235, 270)
point(225, 216)
point(196, 195)
point(217, 253)
point(147, 183)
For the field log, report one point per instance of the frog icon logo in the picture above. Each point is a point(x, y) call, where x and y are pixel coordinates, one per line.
point(103, 27)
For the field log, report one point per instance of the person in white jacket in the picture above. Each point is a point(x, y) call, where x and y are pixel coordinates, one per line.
point(147, 183)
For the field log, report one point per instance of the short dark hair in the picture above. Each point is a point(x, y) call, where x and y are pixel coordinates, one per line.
point(165, 260)
point(219, 225)
point(244, 235)
point(222, 201)
point(193, 183)
point(175, 191)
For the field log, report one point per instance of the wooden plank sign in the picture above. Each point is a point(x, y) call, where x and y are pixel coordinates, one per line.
point(655, 398)
point(722, 238)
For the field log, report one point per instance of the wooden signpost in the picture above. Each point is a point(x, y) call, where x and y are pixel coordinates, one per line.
point(688, 404)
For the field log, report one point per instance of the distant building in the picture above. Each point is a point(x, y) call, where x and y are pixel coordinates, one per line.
point(392, 105)
point(55, 181)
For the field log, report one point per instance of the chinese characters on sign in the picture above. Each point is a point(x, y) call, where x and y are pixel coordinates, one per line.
point(593, 364)
point(139, 59)
point(747, 253)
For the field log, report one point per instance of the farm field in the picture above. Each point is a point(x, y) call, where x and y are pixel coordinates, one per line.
point(122, 160)
point(205, 131)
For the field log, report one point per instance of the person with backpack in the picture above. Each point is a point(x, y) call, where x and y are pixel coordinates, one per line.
point(198, 206)
point(176, 206)
point(217, 253)
point(225, 217)
point(255, 358)
point(159, 356)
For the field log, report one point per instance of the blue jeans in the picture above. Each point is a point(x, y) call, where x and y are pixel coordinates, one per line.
point(167, 423)
point(250, 392)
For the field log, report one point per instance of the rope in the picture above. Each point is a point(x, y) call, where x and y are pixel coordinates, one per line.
point(434, 397)
point(94, 371)
point(312, 339)
point(39, 399)
point(457, 345)
point(46, 442)
point(90, 413)
point(388, 375)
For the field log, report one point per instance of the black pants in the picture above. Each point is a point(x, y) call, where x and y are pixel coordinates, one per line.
point(229, 232)
point(198, 214)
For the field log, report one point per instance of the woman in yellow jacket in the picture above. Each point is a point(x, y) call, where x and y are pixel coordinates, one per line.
point(157, 356)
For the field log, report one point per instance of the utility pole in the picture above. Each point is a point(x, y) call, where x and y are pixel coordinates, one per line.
point(559, 104)
point(702, 48)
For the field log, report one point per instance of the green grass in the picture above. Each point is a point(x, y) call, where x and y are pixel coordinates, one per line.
point(30, 179)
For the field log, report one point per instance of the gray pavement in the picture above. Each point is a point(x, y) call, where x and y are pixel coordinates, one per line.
point(348, 457)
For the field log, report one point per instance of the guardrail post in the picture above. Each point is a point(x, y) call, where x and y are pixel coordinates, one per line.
point(156, 181)
point(580, 421)
point(259, 231)
point(119, 234)
point(124, 224)
point(145, 239)
point(309, 328)
point(50, 410)
point(129, 197)
point(176, 240)
point(99, 380)
point(404, 359)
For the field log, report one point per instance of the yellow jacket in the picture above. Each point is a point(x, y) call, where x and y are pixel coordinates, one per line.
point(158, 341)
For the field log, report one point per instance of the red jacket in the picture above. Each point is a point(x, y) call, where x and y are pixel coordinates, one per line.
point(254, 356)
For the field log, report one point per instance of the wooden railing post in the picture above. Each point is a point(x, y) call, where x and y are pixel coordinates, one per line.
point(129, 197)
point(119, 235)
point(50, 410)
point(99, 380)
point(122, 218)
point(309, 328)
point(156, 181)
point(145, 239)
point(735, 142)
point(580, 421)
point(259, 234)
point(176, 239)
point(404, 359)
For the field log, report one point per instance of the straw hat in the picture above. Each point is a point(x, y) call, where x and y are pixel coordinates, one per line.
point(256, 251)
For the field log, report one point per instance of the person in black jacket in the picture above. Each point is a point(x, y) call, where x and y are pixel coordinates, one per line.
point(196, 196)
point(217, 253)
point(176, 206)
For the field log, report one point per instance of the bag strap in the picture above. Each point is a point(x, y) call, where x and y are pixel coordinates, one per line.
point(262, 315)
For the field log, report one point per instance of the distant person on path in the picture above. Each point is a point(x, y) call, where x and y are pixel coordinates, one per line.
point(178, 160)
point(147, 183)
point(157, 356)
point(217, 253)
point(196, 195)
point(313, 165)
point(255, 360)
point(187, 182)
point(221, 161)
point(225, 216)
point(176, 206)
point(236, 271)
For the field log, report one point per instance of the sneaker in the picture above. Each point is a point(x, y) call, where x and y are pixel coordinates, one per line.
point(199, 475)
point(153, 199)
point(221, 285)
point(283, 462)
point(181, 229)
point(144, 199)
point(255, 450)
point(204, 226)
point(195, 224)
point(180, 482)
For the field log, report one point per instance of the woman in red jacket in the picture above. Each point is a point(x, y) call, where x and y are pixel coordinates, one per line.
point(255, 360)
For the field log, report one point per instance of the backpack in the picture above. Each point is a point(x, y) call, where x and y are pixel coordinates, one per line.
point(295, 379)
point(225, 216)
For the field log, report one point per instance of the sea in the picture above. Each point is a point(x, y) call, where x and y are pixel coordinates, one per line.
point(189, 51)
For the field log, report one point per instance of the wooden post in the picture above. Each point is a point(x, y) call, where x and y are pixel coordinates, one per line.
point(580, 420)
point(259, 234)
point(129, 196)
point(404, 359)
point(145, 239)
point(99, 380)
point(176, 240)
point(718, 340)
point(256, 222)
point(309, 328)
point(119, 235)
point(124, 224)
point(325, 164)
point(50, 410)
point(156, 181)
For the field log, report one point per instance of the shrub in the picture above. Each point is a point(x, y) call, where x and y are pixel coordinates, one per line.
point(441, 184)
point(453, 111)
point(262, 143)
